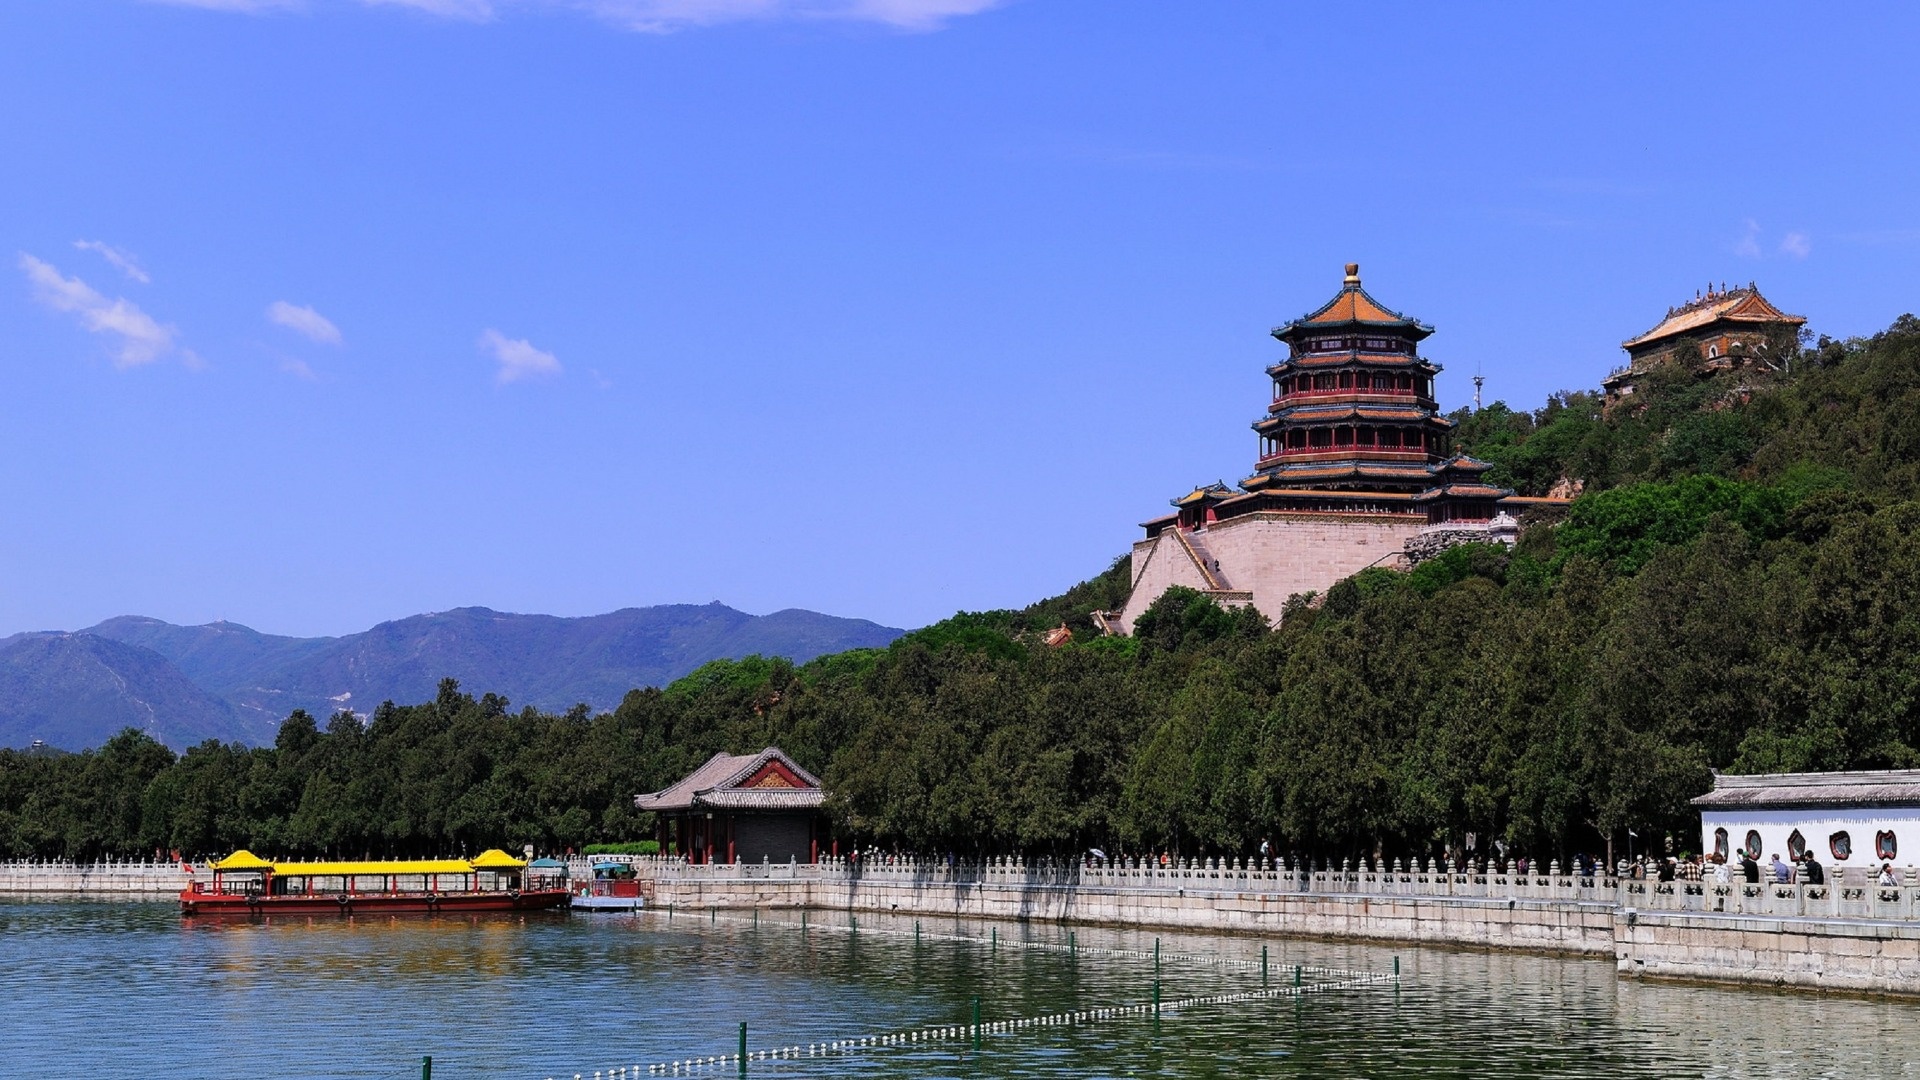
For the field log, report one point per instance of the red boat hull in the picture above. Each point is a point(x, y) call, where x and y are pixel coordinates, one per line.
point(193, 903)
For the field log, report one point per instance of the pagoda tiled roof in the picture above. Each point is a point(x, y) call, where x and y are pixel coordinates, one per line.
point(1333, 469)
point(1343, 410)
point(1735, 306)
point(1469, 491)
point(1354, 306)
point(1213, 492)
point(1340, 359)
point(1461, 463)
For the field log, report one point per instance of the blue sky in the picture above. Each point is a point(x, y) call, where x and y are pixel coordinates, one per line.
point(314, 314)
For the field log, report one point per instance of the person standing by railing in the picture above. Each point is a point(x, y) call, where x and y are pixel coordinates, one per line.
point(1782, 873)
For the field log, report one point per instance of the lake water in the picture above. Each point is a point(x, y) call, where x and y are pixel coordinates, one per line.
point(133, 990)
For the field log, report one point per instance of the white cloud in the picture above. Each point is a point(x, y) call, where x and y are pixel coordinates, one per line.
point(1749, 245)
point(140, 339)
point(119, 260)
point(517, 357)
point(1796, 244)
point(660, 16)
point(297, 368)
point(665, 16)
point(469, 10)
point(248, 6)
point(304, 321)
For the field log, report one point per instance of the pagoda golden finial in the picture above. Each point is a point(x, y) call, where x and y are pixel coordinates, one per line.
point(1353, 273)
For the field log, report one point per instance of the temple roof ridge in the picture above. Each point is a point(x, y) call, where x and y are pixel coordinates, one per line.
point(1353, 305)
point(1739, 304)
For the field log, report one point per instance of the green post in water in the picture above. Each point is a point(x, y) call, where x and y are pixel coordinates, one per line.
point(756, 918)
point(1263, 965)
point(1156, 999)
point(1296, 974)
point(916, 933)
point(1073, 943)
point(976, 1023)
point(1396, 967)
point(993, 936)
point(426, 1067)
point(743, 1048)
point(1156, 956)
point(713, 915)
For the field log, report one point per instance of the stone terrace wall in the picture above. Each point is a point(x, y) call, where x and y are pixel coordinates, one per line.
point(1845, 936)
point(148, 880)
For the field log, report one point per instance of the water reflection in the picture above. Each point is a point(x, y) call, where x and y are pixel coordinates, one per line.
point(133, 990)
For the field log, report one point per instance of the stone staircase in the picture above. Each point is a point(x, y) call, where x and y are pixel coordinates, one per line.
point(1196, 546)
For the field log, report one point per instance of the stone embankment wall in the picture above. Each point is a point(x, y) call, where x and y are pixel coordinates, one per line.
point(133, 880)
point(1844, 936)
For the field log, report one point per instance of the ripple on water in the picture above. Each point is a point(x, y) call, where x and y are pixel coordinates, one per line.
point(110, 990)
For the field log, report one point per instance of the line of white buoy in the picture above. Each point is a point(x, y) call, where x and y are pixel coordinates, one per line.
point(948, 1032)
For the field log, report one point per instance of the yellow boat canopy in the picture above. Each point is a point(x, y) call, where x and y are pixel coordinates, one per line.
point(493, 859)
point(396, 866)
point(243, 860)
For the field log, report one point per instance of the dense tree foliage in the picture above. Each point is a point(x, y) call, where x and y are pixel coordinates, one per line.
point(1739, 588)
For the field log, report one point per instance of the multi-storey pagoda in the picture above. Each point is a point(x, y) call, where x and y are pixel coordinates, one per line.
point(1353, 406)
point(1353, 471)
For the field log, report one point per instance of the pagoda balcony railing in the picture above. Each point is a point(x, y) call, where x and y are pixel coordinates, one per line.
point(1368, 394)
point(1344, 453)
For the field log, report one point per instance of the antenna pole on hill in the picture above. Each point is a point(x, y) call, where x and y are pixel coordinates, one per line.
point(1478, 381)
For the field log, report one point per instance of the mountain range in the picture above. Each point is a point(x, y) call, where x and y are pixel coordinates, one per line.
point(185, 684)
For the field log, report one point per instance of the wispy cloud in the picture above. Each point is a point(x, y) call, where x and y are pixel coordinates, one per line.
point(1795, 244)
point(119, 260)
point(666, 16)
point(304, 321)
point(298, 368)
point(250, 7)
point(139, 338)
point(658, 16)
point(517, 357)
point(469, 10)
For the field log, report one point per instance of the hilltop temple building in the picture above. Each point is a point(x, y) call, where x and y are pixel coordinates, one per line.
point(1730, 329)
point(1354, 470)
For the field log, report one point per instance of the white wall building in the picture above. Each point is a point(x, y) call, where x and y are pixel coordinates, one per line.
point(1845, 819)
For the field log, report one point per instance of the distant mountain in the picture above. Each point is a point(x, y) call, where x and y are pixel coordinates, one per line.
point(78, 690)
point(257, 679)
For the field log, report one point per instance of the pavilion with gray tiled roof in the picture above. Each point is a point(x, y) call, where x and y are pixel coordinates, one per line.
point(740, 808)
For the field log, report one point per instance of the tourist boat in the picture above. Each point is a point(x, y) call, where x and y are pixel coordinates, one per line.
point(245, 884)
point(615, 886)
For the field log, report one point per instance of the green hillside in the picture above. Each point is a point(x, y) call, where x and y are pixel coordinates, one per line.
point(1738, 588)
